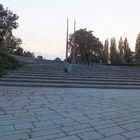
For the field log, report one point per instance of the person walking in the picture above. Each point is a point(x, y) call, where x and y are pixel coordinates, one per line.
point(65, 68)
point(70, 65)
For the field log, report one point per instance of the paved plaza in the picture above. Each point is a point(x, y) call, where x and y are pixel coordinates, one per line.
point(28, 113)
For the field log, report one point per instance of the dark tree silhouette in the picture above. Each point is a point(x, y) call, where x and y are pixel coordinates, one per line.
point(114, 54)
point(8, 22)
point(106, 51)
point(137, 49)
point(128, 58)
point(86, 47)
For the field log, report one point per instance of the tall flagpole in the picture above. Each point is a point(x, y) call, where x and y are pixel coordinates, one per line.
point(74, 25)
point(74, 43)
point(67, 38)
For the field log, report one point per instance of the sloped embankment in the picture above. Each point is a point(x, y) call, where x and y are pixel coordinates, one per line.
point(7, 62)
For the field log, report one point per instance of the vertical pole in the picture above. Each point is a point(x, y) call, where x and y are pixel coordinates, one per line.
point(74, 43)
point(67, 38)
point(74, 25)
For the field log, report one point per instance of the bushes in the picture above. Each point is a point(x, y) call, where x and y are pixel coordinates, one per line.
point(7, 62)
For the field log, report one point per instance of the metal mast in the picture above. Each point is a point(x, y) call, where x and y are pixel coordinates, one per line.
point(67, 38)
point(74, 43)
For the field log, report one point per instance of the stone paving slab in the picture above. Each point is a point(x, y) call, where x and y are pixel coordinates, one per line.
point(32, 113)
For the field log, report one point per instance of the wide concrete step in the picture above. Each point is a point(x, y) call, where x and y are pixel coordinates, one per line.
point(80, 68)
point(62, 81)
point(51, 74)
point(95, 78)
point(65, 85)
point(58, 75)
point(76, 72)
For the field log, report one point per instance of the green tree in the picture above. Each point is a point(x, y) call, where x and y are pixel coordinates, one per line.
point(88, 48)
point(121, 47)
point(19, 51)
point(128, 58)
point(113, 50)
point(137, 49)
point(121, 50)
point(57, 59)
point(8, 22)
point(28, 54)
point(114, 54)
point(39, 57)
point(106, 51)
point(12, 43)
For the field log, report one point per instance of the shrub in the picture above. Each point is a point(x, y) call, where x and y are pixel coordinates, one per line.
point(7, 62)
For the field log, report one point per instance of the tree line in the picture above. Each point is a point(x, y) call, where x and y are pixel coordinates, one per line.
point(85, 48)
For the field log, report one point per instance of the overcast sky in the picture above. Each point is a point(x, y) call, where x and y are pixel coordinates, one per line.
point(42, 23)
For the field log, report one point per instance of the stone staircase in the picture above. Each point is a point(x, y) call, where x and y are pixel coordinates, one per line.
point(50, 74)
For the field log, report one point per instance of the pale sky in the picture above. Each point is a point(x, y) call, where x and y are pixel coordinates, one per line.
point(42, 23)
